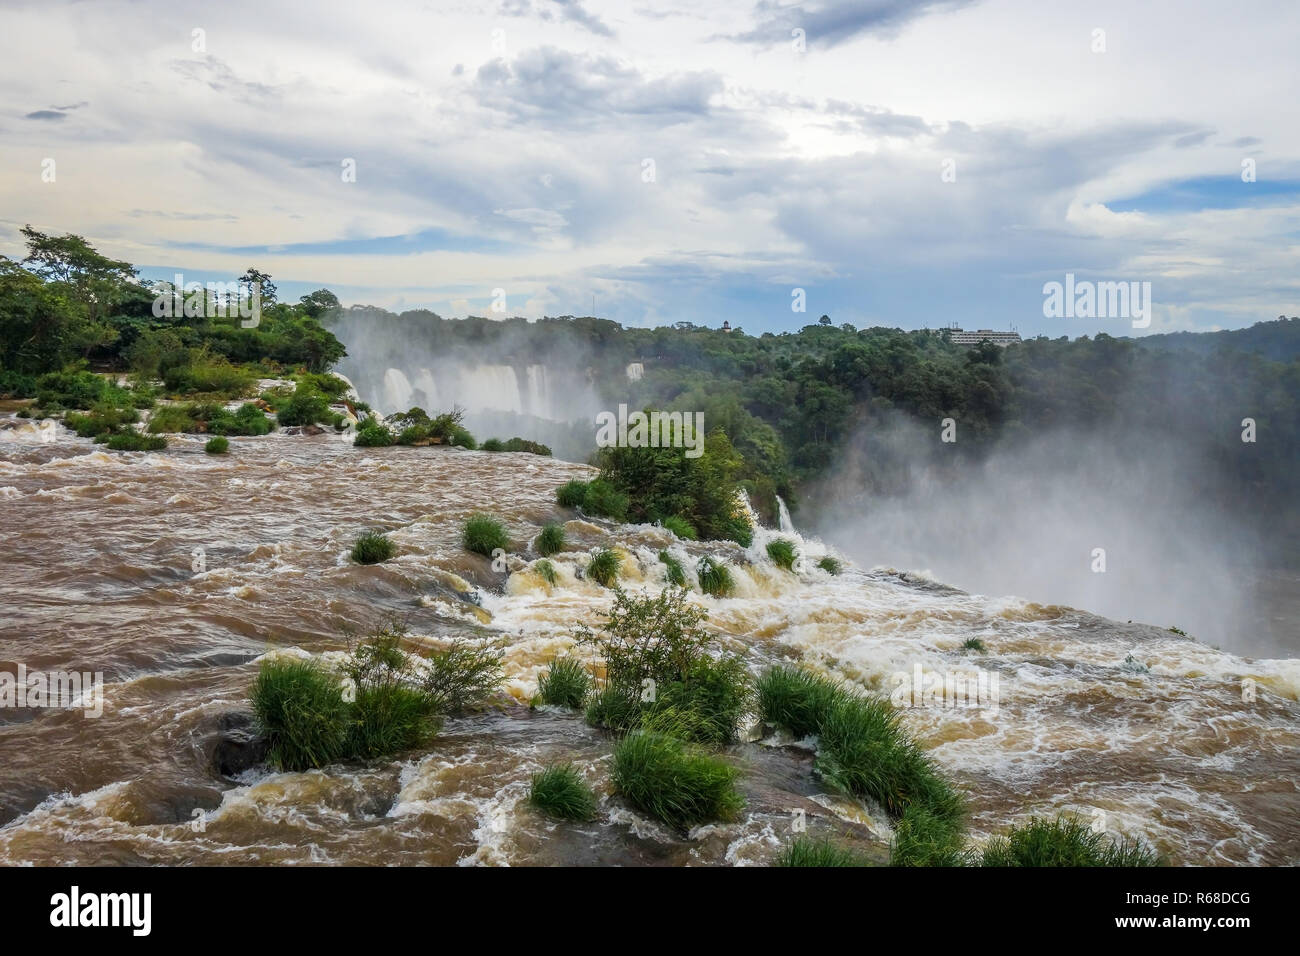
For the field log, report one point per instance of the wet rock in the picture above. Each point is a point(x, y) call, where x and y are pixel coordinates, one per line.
point(239, 746)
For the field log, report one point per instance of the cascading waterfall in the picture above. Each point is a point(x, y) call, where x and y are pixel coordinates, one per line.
point(783, 517)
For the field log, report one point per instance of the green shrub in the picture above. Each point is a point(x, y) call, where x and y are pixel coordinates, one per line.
point(103, 419)
point(483, 534)
point(680, 527)
point(1065, 842)
point(974, 644)
point(134, 441)
point(493, 444)
point(676, 574)
point(463, 675)
point(299, 707)
point(248, 420)
point(604, 567)
point(715, 577)
point(604, 500)
point(673, 781)
point(461, 438)
point(551, 540)
point(782, 553)
point(372, 548)
point(172, 418)
point(372, 433)
point(329, 385)
point(523, 444)
point(811, 851)
point(306, 406)
point(565, 683)
point(571, 493)
point(210, 375)
point(217, 446)
point(76, 390)
point(559, 791)
point(546, 570)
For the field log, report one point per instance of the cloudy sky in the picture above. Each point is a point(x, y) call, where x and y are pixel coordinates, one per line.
point(904, 163)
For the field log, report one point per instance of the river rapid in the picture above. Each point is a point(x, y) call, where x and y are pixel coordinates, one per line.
point(1142, 731)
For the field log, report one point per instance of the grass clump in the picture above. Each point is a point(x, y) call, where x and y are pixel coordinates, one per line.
point(134, 441)
point(830, 565)
point(864, 751)
point(819, 852)
point(680, 527)
point(1065, 841)
point(604, 567)
point(715, 577)
point(571, 493)
point(566, 683)
point(483, 534)
point(390, 713)
point(974, 644)
point(559, 791)
point(372, 548)
point(217, 445)
point(299, 706)
point(547, 571)
point(782, 553)
point(673, 568)
point(795, 699)
point(551, 540)
point(673, 781)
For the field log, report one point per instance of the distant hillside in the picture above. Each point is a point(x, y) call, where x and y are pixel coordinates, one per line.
point(1278, 340)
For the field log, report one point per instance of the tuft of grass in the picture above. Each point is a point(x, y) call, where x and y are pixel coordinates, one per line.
point(372, 548)
point(551, 540)
point(571, 493)
point(715, 577)
point(604, 567)
point(676, 574)
point(782, 552)
point(1065, 841)
point(483, 534)
point(615, 707)
point(134, 441)
point(1173, 629)
point(974, 644)
point(217, 445)
point(713, 697)
point(299, 706)
point(819, 852)
point(389, 717)
point(546, 570)
point(923, 838)
point(863, 750)
point(830, 565)
point(795, 699)
point(566, 683)
point(559, 791)
point(680, 527)
point(673, 781)
point(464, 675)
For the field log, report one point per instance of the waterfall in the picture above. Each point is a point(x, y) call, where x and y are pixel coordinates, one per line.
point(430, 400)
point(783, 517)
point(539, 392)
point(397, 391)
point(635, 371)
